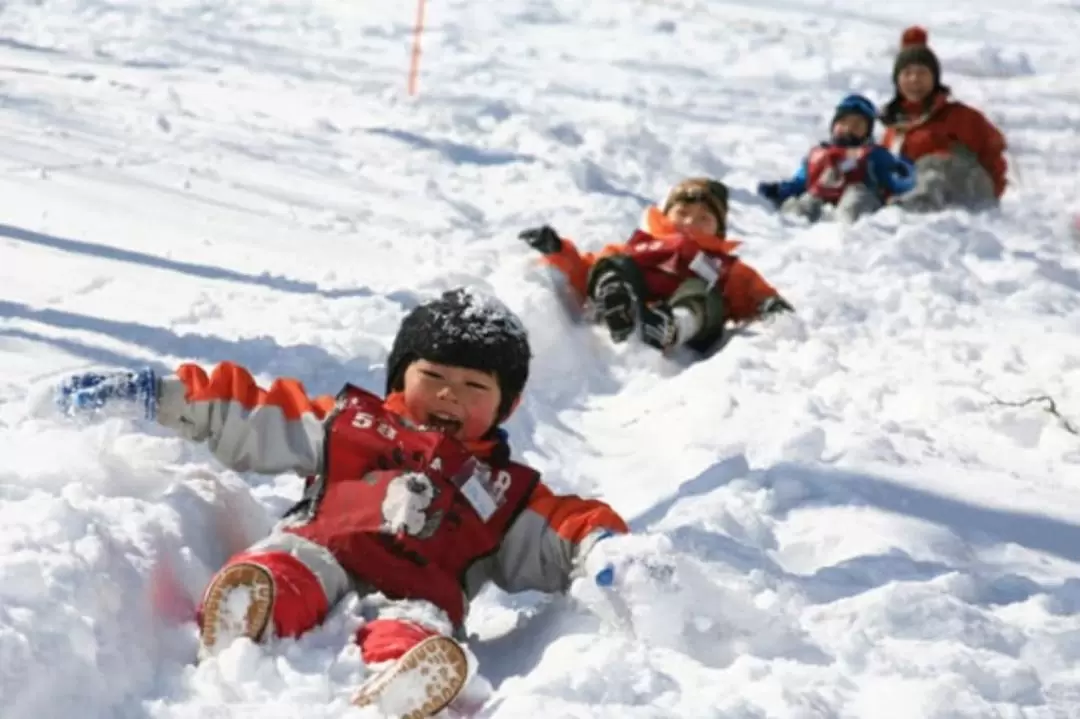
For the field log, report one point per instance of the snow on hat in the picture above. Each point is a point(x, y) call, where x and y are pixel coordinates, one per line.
point(915, 50)
point(463, 328)
point(713, 193)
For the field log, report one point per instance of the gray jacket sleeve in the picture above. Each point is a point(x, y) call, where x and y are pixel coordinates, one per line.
point(246, 427)
point(545, 545)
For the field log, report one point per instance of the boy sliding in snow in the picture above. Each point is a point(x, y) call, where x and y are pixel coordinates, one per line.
point(849, 171)
point(676, 278)
point(413, 496)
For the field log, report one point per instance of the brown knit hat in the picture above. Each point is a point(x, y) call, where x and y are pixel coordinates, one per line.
point(712, 193)
point(915, 50)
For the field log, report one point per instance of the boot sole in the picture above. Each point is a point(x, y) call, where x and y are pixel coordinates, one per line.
point(220, 622)
point(434, 670)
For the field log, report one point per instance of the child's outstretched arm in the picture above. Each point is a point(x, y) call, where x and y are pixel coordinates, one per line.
point(748, 296)
point(895, 175)
point(562, 254)
point(548, 541)
point(247, 428)
point(778, 192)
point(974, 131)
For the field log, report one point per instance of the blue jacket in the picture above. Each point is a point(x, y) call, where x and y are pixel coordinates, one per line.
point(885, 173)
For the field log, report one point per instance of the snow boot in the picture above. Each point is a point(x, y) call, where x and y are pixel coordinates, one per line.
point(419, 684)
point(658, 327)
point(616, 305)
point(665, 327)
point(237, 603)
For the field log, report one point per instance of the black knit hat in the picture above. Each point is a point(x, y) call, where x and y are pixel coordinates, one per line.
point(464, 329)
point(914, 50)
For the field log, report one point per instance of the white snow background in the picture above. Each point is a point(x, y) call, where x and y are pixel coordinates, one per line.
point(839, 517)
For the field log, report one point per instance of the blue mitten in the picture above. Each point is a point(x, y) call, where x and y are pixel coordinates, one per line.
point(597, 565)
point(83, 393)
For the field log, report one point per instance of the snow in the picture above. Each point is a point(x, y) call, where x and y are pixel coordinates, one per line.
point(847, 513)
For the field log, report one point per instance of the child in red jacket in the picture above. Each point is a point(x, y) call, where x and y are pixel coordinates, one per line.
point(959, 154)
point(676, 279)
point(413, 497)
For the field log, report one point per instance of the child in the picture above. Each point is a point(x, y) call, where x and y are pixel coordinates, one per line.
point(960, 155)
point(849, 172)
point(414, 497)
point(675, 279)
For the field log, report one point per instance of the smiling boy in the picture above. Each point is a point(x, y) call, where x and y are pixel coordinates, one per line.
point(411, 501)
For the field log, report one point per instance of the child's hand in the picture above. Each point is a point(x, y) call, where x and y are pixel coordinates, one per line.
point(903, 167)
point(774, 305)
point(770, 191)
point(597, 565)
point(91, 391)
point(542, 239)
point(612, 565)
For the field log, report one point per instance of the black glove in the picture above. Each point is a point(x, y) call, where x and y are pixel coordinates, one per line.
point(770, 191)
point(542, 239)
point(774, 306)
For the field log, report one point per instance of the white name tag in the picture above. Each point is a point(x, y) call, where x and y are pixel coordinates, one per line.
point(479, 498)
point(703, 267)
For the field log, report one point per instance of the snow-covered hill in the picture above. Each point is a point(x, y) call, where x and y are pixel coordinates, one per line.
point(851, 519)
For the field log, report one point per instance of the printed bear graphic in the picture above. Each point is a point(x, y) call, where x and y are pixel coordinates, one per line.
point(404, 508)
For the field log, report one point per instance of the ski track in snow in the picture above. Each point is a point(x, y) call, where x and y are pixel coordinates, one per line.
point(834, 517)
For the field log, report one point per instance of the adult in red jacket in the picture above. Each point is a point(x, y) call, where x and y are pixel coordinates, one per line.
point(959, 155)
point(413, 498)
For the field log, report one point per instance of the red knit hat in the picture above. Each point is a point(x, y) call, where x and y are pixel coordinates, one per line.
point(914, 36)
point(915, 50)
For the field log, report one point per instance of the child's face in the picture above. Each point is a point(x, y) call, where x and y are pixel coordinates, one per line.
point(851, 125)
point(916, 82)
point(694, 216)
point(462, 402)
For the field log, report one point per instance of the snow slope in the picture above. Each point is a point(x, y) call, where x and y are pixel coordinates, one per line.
point(838, 516)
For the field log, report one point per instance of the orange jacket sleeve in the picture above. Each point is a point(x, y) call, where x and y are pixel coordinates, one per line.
point(986, 141)
point(247, 428)
point(575, 265)
point(573, 518)
point(957, 123)
point(744, 291)
point(546, 544)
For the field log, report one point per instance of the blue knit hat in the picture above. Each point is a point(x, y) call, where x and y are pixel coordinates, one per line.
point(856, 105)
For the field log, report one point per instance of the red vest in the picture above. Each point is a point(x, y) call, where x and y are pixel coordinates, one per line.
point(669, 260)
point(831, 169)
point(407, 510)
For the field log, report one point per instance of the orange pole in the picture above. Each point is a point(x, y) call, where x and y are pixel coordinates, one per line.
point(418, 30)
